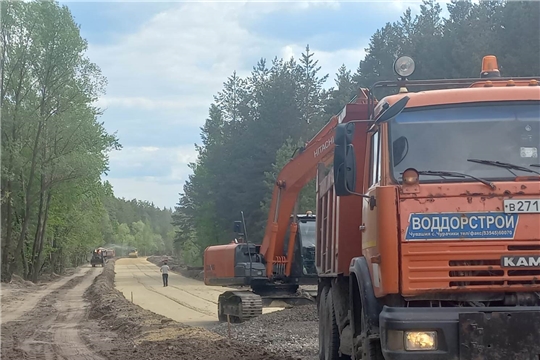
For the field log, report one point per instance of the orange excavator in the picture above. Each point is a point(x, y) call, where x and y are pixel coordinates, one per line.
point(286, 258)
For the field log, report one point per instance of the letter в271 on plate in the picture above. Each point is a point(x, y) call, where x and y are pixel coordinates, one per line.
point(527, 206)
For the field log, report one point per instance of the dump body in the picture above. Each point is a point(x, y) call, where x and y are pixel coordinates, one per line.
point(109, 253)
point(333, 256)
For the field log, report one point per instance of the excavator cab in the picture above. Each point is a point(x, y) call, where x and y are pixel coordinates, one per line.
point(230, 265)
point(303, 265)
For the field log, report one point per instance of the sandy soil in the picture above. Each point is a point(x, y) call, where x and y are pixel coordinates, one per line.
point(17, 300)
point(185, 300)
point(45, 324)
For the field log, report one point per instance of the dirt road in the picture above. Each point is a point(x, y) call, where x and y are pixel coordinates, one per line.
point(27, 298)
point(45, 324)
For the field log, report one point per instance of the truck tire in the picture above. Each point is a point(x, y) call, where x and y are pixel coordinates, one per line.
point(323, 329)
point(364, 348)
point(328, 328)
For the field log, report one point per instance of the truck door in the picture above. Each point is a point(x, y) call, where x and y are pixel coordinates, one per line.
point(369, 215)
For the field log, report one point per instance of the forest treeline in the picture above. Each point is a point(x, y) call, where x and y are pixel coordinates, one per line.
point(257, 122)
point(55, 207)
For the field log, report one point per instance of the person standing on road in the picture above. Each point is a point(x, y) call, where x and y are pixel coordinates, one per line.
point(165, 274)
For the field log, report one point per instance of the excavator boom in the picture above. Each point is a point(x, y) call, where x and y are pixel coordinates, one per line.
point(290, 181)
point(271, 269)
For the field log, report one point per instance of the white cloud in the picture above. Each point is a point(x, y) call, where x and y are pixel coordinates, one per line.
point(149, 148)
point(175, 62)
point(167, 163)
point(329, 61)
point(162, 195)
point(151, 173)
point(146, 103)
point(191, 47)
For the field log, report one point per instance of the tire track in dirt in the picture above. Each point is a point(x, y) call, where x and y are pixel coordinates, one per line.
point(49, 331)
point(17, 309)
point(71, 311)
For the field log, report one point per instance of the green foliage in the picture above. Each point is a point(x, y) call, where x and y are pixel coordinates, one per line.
point(55, 208)
point(256, 123)
point(138, 224)
point(53, 148)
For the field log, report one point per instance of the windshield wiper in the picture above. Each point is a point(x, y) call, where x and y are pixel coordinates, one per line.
point(507, 166)
point(456, 174)
point(535, 165)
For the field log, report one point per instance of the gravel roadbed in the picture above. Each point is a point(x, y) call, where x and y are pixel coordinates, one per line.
point(292, 332)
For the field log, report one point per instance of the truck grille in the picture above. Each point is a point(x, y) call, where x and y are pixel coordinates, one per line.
point(467, 266)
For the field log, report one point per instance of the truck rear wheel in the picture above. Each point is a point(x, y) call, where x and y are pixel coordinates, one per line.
point(328, 328)
point(322, 325)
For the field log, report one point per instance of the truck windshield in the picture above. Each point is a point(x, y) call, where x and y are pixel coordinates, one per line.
point(447, 138)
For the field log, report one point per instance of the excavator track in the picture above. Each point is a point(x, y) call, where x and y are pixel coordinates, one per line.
point(239, 306)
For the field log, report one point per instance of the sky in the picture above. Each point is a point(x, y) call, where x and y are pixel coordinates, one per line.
point(164, 62)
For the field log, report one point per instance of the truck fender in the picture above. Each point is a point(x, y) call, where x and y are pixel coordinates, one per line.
point(370, 305)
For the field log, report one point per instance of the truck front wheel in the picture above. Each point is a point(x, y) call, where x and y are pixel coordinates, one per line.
point(364, 348)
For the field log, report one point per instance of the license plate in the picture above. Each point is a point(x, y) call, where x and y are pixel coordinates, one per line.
point(528, 206)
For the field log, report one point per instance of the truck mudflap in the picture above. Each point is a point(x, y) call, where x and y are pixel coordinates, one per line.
point(499, 335)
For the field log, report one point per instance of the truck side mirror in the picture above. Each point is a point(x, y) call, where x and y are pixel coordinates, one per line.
point(393, 110)
point(238, 228)
point(344, 160)
point(400, 148)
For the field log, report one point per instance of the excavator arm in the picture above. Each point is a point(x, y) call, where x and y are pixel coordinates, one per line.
point(293, 177)
point(290, 181)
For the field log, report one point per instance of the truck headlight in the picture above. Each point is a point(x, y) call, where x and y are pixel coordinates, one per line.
point(420, 340)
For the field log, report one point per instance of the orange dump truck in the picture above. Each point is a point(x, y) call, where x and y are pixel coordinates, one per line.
point(428, 243)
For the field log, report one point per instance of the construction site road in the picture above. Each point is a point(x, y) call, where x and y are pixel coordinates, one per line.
point(185, 300)
point(44, 324)
point(29, 298)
